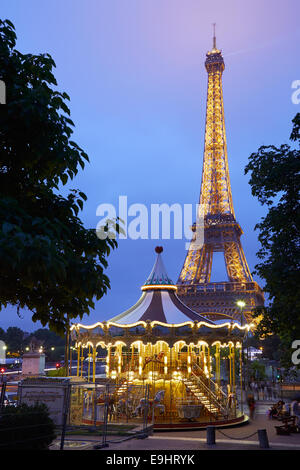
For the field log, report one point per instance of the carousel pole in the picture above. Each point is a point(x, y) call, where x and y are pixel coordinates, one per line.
point(132, 358)
point(120, 348)
point(189, 360)
point(78, 359)
point(119, 365)
point(203, 357)
point(241, 378)
point(230, 370)
point(71, 359)
point(209, 377)
point(94, 363)
point(108, 361)
point(89, 363)
point(140, 360)
point(218, 365)
point(82, 359)
point(233, 376)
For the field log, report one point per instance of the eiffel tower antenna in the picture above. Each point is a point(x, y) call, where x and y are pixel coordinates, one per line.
point(221, 232)
point(214, 37)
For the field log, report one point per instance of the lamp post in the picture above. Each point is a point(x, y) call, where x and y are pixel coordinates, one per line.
point(241, 304)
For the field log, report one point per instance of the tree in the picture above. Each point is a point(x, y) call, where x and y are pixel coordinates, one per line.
point(49, 262)
point(275, 181)
point(2, 335)
point(47, 337)
point(14, 339)
point(257, 370)
point(271, 348)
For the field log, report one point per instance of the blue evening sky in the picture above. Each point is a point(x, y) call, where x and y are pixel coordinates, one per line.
point(134, 70)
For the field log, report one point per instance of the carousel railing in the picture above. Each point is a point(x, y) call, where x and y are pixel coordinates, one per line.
point(214, 406)
point(214, 393)
point(212, 385)
point(214, 400)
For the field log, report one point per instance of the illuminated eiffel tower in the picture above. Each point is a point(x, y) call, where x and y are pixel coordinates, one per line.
point(221, 231)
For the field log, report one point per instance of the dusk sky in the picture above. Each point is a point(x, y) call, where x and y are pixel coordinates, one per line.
point(134, 70)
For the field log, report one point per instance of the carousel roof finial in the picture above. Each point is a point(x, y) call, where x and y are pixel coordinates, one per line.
point(158, 276)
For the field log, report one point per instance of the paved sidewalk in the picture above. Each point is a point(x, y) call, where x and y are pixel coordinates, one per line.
point(234, 438)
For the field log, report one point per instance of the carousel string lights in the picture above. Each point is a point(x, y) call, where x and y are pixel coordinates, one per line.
point(162, 342)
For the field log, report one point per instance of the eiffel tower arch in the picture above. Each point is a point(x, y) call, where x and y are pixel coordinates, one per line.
point(221, 230)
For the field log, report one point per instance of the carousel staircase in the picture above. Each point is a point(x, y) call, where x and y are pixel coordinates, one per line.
point(124, 387)
point(197, 391)
point(207, 392)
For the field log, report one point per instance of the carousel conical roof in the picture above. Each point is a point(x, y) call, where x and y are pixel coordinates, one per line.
point(159, 301)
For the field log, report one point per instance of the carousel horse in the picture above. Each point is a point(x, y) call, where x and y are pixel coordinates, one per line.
point(156, 358)
point(111, 407)
point(155, 403)
point(125, 407)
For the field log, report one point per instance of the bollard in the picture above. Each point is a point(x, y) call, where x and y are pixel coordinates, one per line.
point(263, 439)
point(210, 435)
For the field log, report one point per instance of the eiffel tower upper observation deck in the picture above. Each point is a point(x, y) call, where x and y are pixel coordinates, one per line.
point(221, 231)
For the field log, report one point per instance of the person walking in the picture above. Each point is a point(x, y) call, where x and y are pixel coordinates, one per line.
point(266, 394)
point(251, 405)
point(295, 410)
point(269, 391)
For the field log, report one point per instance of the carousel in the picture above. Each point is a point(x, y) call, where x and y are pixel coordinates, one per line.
point(191, 365)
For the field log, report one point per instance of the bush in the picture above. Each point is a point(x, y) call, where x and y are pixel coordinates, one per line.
point(61, 372)
point(26, 427)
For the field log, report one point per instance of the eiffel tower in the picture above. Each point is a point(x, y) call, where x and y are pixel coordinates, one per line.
point(221, 231)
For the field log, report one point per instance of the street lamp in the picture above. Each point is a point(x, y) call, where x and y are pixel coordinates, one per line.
point(241, 304)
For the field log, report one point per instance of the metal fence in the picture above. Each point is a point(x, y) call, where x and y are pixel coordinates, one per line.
point(113, 413)
point(105, 412)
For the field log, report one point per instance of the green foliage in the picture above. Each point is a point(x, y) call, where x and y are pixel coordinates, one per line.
point(2, 334)
point(257, 370)
point(61, 372)
point(26, 428)
point(272, 348)
point(49, 262)
point(17, 340)
point(275, 181)
point(14, 339)
point(47, 337)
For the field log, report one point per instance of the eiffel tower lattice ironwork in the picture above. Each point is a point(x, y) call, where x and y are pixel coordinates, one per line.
point(221, 231)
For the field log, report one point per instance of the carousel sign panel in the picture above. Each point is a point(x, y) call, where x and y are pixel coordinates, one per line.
point(50, 391)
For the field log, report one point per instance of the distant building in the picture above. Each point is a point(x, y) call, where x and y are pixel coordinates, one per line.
point(2, 352)
point(252, 352)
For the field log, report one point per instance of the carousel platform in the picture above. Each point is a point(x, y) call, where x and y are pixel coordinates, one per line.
point(180, 426)
point(196, 425)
